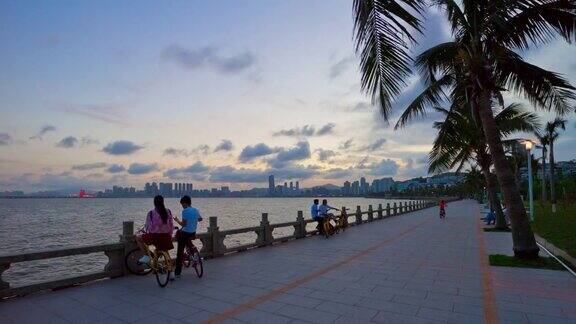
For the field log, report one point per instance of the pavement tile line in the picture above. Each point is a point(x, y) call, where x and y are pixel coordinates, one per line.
point(228, 314)
point(488, 296)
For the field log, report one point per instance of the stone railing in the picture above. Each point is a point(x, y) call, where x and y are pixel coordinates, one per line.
point(212, 244)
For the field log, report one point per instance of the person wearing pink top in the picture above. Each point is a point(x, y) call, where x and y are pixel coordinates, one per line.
point(159, 227)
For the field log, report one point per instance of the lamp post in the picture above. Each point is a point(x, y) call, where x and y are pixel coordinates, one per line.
point(528, 145)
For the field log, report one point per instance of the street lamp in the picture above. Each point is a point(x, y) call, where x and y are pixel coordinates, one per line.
point(528, 145)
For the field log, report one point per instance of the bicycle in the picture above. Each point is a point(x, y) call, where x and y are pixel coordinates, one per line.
point(327, 226)
point(442, 213)
point(192, 258)
point(342, 221)
point(160, 263)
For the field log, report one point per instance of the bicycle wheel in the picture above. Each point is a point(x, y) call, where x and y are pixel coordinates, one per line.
point(163, 268)
point(326, 229)
point(186, 257)
point(131, 262)
point(196, 262)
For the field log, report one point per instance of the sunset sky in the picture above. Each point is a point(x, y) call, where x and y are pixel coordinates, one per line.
point(97, 93)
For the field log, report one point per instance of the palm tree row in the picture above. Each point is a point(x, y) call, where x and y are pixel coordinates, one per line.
point(471, 71)
point(461, 141)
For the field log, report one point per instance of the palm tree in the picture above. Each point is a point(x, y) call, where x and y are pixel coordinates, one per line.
point(552, 134)
point(460, 140)
point(474, 182)
point(477, 64)
point(543, 139)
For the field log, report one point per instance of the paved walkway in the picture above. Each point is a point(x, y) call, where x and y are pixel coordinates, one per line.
point(413, 268)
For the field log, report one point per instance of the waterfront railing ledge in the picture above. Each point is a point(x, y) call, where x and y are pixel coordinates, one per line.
point(212, 244)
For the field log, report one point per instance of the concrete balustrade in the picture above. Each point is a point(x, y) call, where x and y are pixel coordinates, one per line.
point(212, 244)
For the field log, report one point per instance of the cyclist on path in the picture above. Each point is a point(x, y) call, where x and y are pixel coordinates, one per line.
point(190, 218)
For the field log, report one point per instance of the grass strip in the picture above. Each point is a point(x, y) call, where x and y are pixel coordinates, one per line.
point(510, 261)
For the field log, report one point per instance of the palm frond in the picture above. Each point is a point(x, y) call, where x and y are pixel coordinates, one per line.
point(381, 30)
point(545, 89)
point(534, 21)
point(431, 96)
point(514, 119)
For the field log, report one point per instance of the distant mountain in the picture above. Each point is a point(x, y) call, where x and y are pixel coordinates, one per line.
point(329, 186)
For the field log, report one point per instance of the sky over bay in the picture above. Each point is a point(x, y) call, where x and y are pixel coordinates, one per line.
point(97, 93)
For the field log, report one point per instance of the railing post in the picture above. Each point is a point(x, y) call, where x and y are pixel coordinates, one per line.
point(300, 232)
point(216, 247)
point(405, 206)
point(3, 284)
point(358, 215)
point(128, 238)
point(266, 238)
point(380, 211)
point(370, 213)
point(411, 206)
point(388, 210)
point(395, 209)
point(344, 215)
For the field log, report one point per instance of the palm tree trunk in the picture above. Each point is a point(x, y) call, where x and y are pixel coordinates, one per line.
point(495, 205)
point(522, 236)
point(543, 175)
point(552, 179)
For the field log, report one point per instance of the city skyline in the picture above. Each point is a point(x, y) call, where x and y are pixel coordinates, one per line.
point(220, 104)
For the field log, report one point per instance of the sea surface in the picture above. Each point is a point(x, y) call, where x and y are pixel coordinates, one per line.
point(32, 225)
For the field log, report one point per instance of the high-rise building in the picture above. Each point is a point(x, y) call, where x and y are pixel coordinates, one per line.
point(148, 188)
point(271, 185)
point(355, 189)
point(346, 188)
point(297, 185)
point(363, 186)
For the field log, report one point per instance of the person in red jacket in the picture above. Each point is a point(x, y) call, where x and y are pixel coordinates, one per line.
point(442, 207)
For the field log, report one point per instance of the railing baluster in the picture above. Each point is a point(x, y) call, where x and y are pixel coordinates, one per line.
point(358, 215)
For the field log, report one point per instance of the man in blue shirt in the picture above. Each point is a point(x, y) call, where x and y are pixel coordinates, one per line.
point(315, 213)
point(190, 218)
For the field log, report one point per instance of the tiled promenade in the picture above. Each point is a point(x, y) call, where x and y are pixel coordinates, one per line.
point(413, 268)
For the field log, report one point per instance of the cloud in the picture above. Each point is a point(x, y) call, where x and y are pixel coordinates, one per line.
point(326, 129)
point(67, 142)
point(340, 67)
point(374, 146)
point(5, 139)
point(71, 141)
point(142, 168)
point(87, 140)
point(233, 175)
point(325, 155)
point(196, 171)
point(200, 149)
point(346, 144)
point(121, 147)
point(116, 168)
point(225, 145)
point(208, 57)
point(299, 152)
point(251, 152)
point(293, 172)
point(89, 166)
point(385, 167)
point(106, 113)
point(306, 131)
point(337, 173)
point(64, 182)
point(43, 131)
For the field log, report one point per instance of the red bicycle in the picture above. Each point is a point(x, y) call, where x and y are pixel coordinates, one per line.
point(192, 258)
